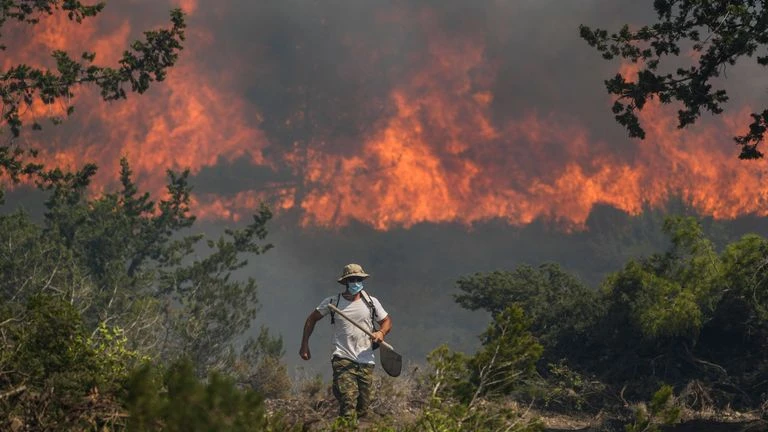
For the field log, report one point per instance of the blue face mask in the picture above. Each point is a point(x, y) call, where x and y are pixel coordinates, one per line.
point(354, 287)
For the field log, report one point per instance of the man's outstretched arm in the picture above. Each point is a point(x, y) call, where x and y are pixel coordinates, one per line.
point(309, 327)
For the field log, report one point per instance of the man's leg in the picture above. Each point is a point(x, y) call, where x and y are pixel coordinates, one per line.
point(345, 385)
point(365, 387)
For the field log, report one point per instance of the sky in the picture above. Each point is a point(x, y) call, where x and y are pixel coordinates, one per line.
point(425, 140)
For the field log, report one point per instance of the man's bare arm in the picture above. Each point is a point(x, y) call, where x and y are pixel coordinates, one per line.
point(309, 327)
point(385, 326)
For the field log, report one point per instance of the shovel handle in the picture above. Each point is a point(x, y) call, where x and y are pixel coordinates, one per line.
point(336, 310)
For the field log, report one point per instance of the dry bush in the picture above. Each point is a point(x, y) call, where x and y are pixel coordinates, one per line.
point(697, 396)
point(310, 405)
point(271, 378)
point(310, 387)
point(401, 396)
point(567, 390)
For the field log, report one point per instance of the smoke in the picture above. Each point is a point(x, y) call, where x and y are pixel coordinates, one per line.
point(414, 271)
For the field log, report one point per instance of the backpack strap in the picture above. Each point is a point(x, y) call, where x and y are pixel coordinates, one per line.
point(333, 318)
point(368, 302)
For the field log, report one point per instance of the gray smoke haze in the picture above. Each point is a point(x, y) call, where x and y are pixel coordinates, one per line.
point(414, 271)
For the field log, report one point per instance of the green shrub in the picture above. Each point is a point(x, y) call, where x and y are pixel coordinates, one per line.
point(175, 400)
point(62, 377)
point(485, 416)
point(567, 389)
point(662, 410)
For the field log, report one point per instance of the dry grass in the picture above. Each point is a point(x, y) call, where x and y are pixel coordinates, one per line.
point(399, 402)
point(312, 406)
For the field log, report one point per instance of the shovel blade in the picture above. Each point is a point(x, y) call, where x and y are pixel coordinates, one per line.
point(391, 362)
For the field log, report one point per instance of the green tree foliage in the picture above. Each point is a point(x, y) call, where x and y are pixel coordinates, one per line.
point(745, 268)
point(559, 306)
point(718, 32)
point(670, 295)
point(690, 314)
point(657, 307)
point(455, 417)
point(447, 375)
point(101, 284)
point(566, 389)
point(465, 392)
point(260, 365)
point(175, 399)
point(55, 374)
point(124, 259)
point(32, 262)
point(736, 338)
point(508, 355)
point(663, 409)
point(21, 85)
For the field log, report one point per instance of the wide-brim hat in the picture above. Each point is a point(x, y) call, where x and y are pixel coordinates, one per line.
point(352, 270)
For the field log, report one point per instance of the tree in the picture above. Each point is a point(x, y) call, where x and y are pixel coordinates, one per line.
point(656, 308)
point(22, 85)
point(174, 399)
point(718, 32)
point(559, 306)
point(148, 275)
point(508, 355)
point(464, 390)
point(124, 260)
point(57, 375)
point(671, 295)
point(745, 265)
point(102, 283)
point(737, 335)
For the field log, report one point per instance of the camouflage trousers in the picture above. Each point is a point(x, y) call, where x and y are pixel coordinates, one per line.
point(352, 385)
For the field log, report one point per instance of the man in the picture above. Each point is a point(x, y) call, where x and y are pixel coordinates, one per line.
point(352, 359)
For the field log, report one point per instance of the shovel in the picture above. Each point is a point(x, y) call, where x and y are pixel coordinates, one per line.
point(391, 361)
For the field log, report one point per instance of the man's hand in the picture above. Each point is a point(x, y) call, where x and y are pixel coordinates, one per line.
point(309, 326)
point(304, 353)
point(378, 336)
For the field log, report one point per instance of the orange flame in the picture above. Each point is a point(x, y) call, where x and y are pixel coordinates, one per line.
point(185, 122)
point(441, 156)
point(471, 171)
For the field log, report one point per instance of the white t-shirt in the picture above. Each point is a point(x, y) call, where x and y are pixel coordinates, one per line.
point(349, 341)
